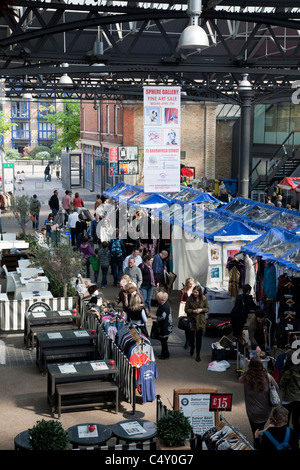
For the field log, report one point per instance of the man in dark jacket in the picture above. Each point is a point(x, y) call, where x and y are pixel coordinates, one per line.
point(244, 304)
point(54, 203)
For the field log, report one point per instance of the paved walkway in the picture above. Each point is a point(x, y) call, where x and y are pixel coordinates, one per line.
point(23, 389)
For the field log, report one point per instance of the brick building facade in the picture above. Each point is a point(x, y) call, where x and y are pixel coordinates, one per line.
point(205, 142)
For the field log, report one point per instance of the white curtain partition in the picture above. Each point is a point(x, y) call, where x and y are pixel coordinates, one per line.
point(189, 258)
point(12, 312)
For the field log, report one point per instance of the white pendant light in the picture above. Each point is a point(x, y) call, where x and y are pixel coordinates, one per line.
point(193, 36)
point(65, 80)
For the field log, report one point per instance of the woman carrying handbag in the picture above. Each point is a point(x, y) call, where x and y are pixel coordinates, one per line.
point(184, 294)
point(196, 307)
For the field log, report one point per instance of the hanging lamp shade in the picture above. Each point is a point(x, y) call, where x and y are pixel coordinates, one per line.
point(193, 37)
point(65, 80)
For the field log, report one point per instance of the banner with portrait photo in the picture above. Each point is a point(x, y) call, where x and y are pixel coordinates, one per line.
point(161, 139)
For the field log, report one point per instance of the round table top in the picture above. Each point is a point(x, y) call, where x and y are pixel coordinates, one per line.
point(22, 440)
point(79, 434)
point(132, 433)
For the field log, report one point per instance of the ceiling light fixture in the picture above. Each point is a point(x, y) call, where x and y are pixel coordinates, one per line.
point(65, 80)
point(193, 36)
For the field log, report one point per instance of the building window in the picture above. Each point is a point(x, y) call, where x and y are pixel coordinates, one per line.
point(21, 131)
point(46, 131)
point(274, 122)
point(20, 110)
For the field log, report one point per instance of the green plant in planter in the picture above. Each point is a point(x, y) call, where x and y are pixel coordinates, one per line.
point(48, 435)
point(173, 429)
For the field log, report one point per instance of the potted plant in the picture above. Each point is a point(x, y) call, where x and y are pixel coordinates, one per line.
point(173, 429)
point(48, 435)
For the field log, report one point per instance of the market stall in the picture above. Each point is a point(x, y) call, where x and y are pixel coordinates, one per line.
point(261, 216)
point(276, 257)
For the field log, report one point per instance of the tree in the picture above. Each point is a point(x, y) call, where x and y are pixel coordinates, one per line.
point(60, 264)
point(20, 208)
point(68, 122)
point(5, 123)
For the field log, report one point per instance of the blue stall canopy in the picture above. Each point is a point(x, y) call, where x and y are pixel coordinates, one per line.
point(206, 201)
point(186, 195)
point(261, 216)
point(115, 190)
point(148, 200)
point(234, 231)
point(278, 246)
point(126, 193)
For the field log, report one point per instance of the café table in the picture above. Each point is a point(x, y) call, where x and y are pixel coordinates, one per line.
point(35, 294)
point(81, 436)
point(21, 441)
point(136, 430)
point(59, 345)
point(48, 320)
point(76, 372)
point(35, 283)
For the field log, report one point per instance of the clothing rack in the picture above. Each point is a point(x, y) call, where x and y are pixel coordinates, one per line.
point(224, 436)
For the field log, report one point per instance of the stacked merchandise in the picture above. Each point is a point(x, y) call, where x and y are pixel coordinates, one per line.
point(223, 437)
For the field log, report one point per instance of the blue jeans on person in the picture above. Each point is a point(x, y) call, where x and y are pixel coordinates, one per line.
point(54, 212)
point(147, 292)
point(104, 270)
point(35, 222)
point(117, 269)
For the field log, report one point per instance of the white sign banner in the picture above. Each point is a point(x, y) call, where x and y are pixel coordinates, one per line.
point(161, 139)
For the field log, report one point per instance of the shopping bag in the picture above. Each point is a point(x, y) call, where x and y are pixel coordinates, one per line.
point(154, 334)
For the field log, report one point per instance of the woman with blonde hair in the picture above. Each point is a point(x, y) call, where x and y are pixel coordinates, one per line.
point(277, 432)
point(136, 316)
point(185, 292)
point(164, 323)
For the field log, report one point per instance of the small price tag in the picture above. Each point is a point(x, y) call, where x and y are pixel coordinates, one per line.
point(220, 402)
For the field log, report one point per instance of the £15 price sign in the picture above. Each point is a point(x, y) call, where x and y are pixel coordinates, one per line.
point(220, 402)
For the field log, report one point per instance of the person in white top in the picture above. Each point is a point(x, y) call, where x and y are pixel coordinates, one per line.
point(72, 219)
point(136, 253)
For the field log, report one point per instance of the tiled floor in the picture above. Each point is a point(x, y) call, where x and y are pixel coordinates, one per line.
point(13, 351)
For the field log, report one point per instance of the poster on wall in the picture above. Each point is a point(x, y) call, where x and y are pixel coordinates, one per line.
point(128, 160)
point(113, 161)
point(214, 253)
point(161, 139)
point(215, 274)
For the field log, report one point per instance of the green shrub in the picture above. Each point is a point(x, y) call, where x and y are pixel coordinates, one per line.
point(48, 435)
point(173, 429)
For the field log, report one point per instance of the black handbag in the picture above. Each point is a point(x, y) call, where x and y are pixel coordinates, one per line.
point(184, 323)
point(154, 334)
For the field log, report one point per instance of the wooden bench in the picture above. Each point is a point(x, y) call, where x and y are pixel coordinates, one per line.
point(88, 387)
point(65, 352)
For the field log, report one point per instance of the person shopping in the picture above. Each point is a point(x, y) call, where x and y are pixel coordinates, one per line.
point(196, 307)
point(278, 429)
point(135, 313)
point(185, 292)
point(164, 323)
point(256, 383)
point(290, 386)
